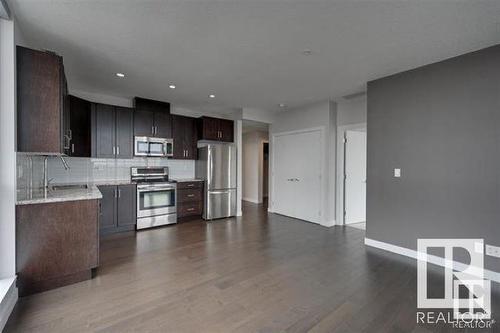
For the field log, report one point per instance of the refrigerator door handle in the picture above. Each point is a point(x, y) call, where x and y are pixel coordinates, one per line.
point(220, 191)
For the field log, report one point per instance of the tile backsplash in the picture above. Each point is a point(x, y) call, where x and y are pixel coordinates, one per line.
point(88, 170)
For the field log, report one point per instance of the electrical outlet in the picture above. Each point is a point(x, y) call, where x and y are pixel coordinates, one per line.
point(493, 251)
point(397, 173)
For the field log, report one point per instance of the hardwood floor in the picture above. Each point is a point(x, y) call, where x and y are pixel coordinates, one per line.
point(258, 273)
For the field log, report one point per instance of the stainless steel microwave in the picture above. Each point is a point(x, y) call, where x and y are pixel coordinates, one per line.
point(154, 147)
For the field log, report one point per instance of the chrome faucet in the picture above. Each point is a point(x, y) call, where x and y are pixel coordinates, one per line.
point(65, 164)
point(46, 181)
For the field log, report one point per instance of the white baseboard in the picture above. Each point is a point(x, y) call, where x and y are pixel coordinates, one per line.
point(269, 209)
point(240, 213)
point(328, 224)
point(362, 221)
point(490, 275)
point(252, 200)
point(7, 300)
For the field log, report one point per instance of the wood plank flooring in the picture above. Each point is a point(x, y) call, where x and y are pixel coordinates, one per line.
point(258, 273)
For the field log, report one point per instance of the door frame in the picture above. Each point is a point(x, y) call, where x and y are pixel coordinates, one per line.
point(322, 195)
point(340, 202)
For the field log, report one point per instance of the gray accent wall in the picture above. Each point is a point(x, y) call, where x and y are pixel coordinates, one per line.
point(441, 125)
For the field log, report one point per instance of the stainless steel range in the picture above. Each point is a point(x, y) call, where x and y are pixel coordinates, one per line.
point(156, 197)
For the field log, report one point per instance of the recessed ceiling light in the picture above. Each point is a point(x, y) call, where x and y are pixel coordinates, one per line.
point(171, 86)
point(120, 74)
point(211, 96)
point(282, 105)
point(307, 52)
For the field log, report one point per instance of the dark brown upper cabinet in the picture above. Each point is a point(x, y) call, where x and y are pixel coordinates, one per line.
point(185, 137)
point(216, 129)
point(80, 127)
point(112, 129)
point(42, 112)
point(152, 118)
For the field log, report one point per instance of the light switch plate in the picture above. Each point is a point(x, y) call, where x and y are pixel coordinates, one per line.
point(493, 251)
point(397, 173)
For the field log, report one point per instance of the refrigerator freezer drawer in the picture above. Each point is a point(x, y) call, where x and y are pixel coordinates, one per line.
point(219, 204)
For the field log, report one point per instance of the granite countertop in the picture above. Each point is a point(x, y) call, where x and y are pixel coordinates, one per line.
point(113, 182)
point(41, 195)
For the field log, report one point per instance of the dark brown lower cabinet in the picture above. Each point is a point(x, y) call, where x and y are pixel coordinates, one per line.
point(118, 209)
point(56, 244)
point(189, 200)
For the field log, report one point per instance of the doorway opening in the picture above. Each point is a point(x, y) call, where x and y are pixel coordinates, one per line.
point(353, 176)
point(255, 163)
point(265, 173)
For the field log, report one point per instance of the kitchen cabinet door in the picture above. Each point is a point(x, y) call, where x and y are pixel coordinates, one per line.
point(107, 215)
point(126, 205)
point(163, 124)
point(104, 131)
point(226, 129)
point(185, 137)
point(124, 132)
point(190, 138)
point(143, 122)
point(178, 125)
point(40, 84)
point(209, 128)
point(80, 127)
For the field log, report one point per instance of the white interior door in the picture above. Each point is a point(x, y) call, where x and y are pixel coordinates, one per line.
point(297, 172)
point(355, 177)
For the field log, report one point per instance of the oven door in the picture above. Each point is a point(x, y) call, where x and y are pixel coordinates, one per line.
point(154, 200)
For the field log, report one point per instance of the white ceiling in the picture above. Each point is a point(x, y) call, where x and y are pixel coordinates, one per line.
point(249, 52)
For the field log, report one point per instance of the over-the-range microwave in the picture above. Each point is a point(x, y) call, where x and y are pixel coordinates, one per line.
point(153, 147)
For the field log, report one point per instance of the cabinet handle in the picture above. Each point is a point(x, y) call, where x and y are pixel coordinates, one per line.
point(190, 209)
point(153, 130)
point(116, 193)
point(117, 150)
point(119, 193)
point(190, 195)
point(70, 134)
point(114, 150)
point(190, 185)
point(156, 130)
point(72, 148)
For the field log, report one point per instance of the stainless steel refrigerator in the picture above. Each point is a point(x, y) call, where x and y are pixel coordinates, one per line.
point(216, 165)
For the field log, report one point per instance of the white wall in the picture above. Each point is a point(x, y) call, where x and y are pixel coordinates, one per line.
point(263, 116)
point(253, 165)
point(318, 115)
point(351, 111)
